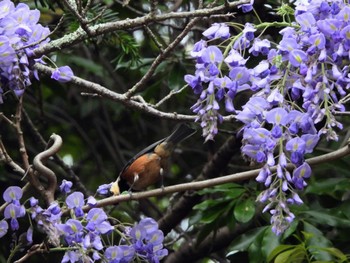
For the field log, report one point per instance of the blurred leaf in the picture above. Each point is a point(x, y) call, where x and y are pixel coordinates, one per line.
point(327, 218)
point(224, 188)
point(278, 250)
point(334, 187)
point(295, 255)
point(291, 229)
point(213, 226)
point(87, 64)
point(317, 241)
point(244, 210)
point(336, 253)
point(242, 242)
point(269, 242)
point(216, 211)
point(255, 254)
point(207, 204)
point(174, 75)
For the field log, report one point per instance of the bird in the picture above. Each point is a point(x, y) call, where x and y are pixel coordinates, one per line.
point(148, 166)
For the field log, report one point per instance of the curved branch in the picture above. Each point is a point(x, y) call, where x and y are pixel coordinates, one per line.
point(48, 193)
point(70, 174)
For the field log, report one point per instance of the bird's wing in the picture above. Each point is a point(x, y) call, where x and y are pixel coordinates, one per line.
point(144, 151)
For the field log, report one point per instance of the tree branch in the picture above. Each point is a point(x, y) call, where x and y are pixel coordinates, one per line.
point(70, 174)
point(96, 30)
point(122, 98)
point(48, 192)
point(237, 177)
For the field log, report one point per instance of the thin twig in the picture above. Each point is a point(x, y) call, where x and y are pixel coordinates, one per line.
point(137, 12)
point(153, 7)
point(22, 147)
point(167, 97)
point(11, 123)
point(159, 59)
point(154, 38)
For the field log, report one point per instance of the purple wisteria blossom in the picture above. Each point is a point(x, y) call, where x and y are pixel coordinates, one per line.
point(146, 240)
point(104, 189)
point(66, 186)
point(13, 194)
point(86, 235)
point(20, 34)
point(3, 228)
point(75, 201)
point(14, 209)
point(13, 212)
point(72, 231)
point(62, 74)
point(298, 87)
point(121, 253)
point(217, 30)
point(97, 221)
point(247, 7)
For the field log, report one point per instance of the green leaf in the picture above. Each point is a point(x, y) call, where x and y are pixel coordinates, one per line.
point(213, 213)
point(295, 255)
point(211, 203)
point(269, 242)
point(244, 211)
point(327, 218)
point(242, 242)
point(316, 241)
point(212, 226)
point(255, 255)
point(278, 250)
point(334, 187)
point(336, 253)
point(224, 188)
point(291, 229)
point(213, 209)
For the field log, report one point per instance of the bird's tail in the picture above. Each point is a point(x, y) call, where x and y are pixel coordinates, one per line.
point(181, 132)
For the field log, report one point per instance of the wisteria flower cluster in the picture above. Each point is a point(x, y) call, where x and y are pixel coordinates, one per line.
point(299, 86)
point(20, 34)
point(146, 243)
point(82, 233)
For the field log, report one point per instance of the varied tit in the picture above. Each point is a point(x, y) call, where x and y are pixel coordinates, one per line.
point(147, 167)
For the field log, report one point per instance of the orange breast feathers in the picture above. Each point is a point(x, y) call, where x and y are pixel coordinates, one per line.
point(144, 171)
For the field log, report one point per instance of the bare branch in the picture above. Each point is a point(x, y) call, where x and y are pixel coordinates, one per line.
point(154, 38)
point(47, 192)
point(167, 97)
point(69, 171)
point(342, 152)
point(106, 93)
point(22, 147)
point(96, 30)
point(36, 248)
point(99, 91)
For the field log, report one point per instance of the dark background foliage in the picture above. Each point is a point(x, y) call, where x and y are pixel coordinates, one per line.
point(100, 135)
